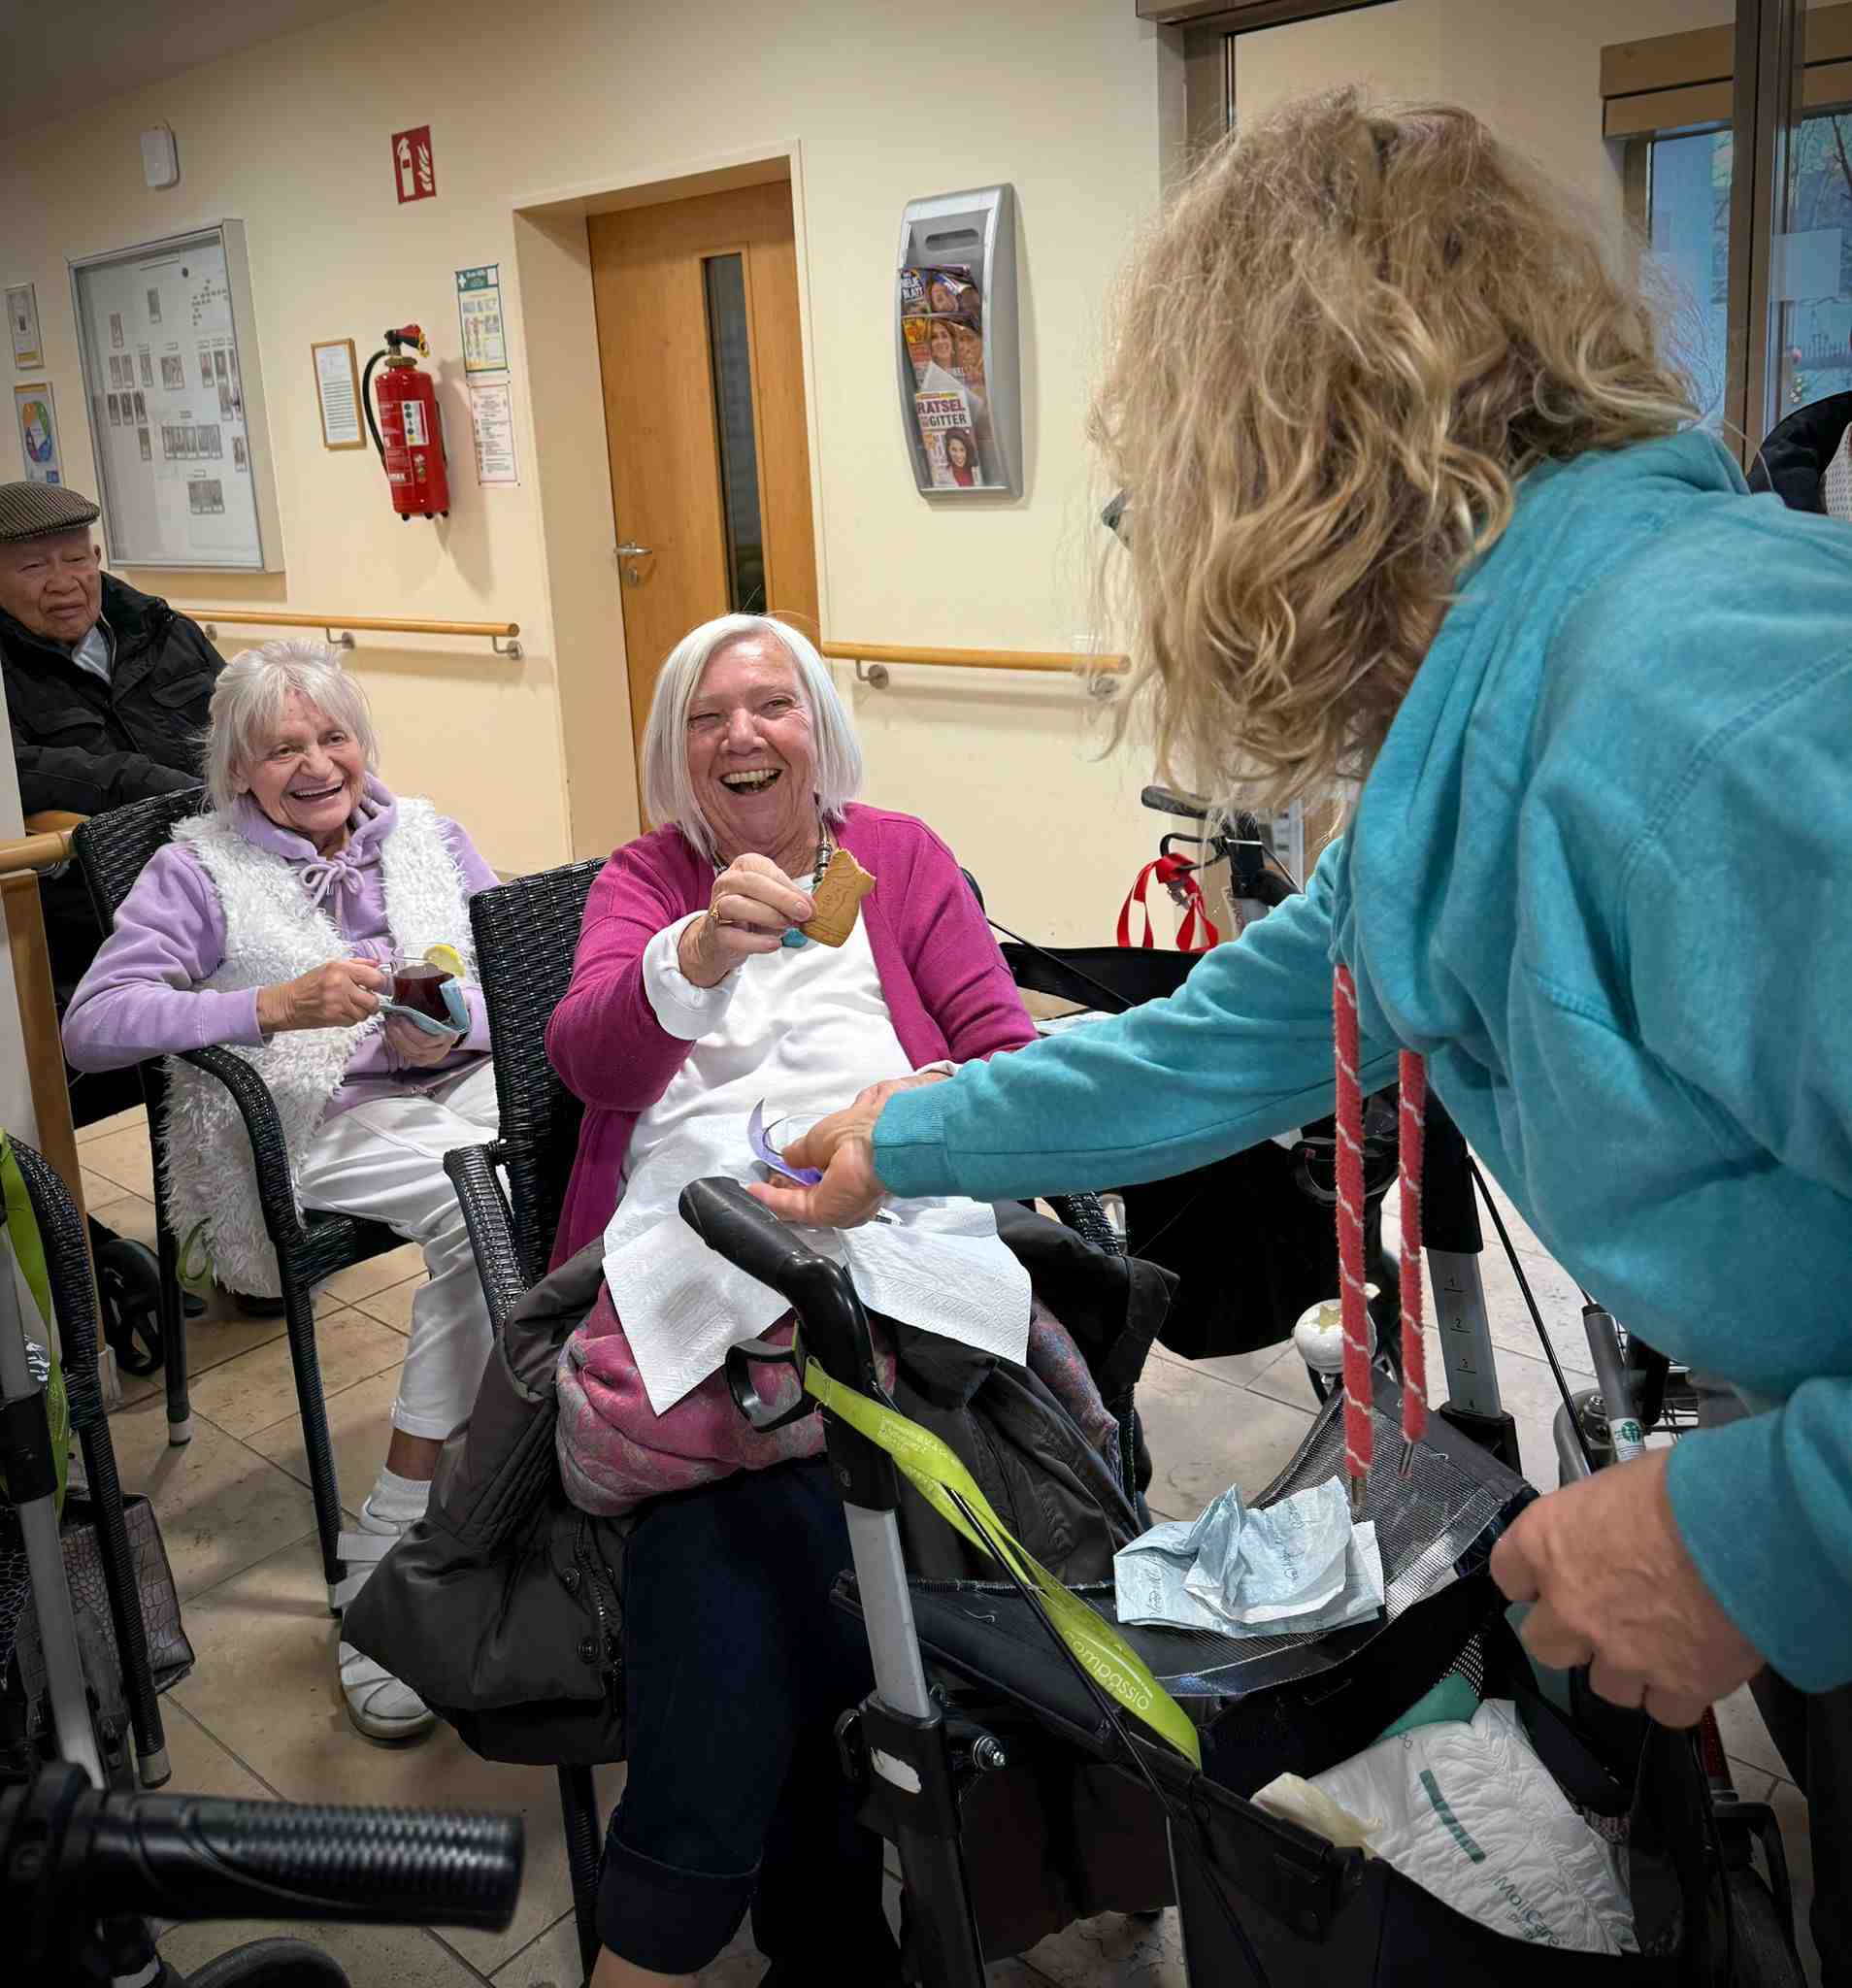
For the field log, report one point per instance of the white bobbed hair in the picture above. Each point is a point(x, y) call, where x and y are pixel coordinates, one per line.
point(248, 701)
point(668, 793)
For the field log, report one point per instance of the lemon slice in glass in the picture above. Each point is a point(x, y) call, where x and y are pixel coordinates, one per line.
point(447, 959)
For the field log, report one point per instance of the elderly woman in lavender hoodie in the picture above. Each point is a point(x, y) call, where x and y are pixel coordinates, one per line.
point(263, 927)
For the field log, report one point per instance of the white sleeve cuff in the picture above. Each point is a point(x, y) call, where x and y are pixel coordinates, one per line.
point(944, 1067)
point(685, 1011)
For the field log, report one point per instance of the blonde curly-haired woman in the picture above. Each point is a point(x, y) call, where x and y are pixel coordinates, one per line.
point(1416, 498)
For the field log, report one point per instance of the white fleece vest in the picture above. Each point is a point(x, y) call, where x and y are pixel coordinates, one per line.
point(273, 933)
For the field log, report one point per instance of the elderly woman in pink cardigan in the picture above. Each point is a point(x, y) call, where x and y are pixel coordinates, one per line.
point(694, 998)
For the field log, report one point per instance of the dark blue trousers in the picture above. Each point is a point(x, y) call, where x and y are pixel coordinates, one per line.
point(735, 1669)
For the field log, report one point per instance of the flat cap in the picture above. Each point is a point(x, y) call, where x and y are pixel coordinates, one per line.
point(39, 511)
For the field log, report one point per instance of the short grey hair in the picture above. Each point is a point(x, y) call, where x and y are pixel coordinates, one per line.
point(248, 700)
point(668, 793)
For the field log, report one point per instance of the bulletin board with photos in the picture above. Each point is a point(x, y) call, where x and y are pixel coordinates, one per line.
point(174, 394)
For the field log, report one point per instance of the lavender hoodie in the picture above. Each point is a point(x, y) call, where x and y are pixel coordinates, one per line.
point(142, 996)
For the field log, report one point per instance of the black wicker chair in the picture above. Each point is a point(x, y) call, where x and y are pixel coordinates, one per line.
point(526, 933)
point(67, 1269)
point(114, 849)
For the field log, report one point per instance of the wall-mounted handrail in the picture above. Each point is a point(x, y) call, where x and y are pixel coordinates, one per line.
point(878, 655)
point(337, 627)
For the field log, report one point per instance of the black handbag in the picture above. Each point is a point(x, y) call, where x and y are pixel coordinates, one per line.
point(23, 1701)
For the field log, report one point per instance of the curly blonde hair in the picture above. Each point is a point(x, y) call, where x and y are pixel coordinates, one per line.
point(1352, 333)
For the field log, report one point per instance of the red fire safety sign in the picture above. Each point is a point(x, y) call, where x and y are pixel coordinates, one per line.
point(411, 168)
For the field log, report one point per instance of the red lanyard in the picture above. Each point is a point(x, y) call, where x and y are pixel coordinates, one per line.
point(1359, 1417)
point(1196, 934)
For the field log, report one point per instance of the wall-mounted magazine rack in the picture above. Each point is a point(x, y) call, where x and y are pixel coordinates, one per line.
point(956, 343)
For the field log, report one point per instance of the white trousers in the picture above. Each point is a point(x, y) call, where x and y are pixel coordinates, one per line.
point(384, 1160)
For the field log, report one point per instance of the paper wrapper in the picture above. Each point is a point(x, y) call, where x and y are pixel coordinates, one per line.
point(839, 899)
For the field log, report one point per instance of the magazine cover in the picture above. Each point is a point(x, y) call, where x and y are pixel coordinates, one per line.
point(942, 320)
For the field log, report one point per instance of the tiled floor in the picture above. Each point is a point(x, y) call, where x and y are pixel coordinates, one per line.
point(260, 1715)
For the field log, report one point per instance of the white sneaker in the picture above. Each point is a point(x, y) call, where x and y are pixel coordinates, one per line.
point(381, 1706)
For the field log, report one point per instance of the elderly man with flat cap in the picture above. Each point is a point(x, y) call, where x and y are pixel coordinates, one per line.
point(107, 689)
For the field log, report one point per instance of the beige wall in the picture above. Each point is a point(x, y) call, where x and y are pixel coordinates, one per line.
point(565, 98)
point(1058, 96)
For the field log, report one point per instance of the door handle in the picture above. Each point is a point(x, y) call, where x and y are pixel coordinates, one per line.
point(630, 550)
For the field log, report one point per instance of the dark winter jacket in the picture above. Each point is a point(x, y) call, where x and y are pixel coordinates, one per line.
point(88, 746)
point(501, 1608)
point(85, 745)
point(1794, 459)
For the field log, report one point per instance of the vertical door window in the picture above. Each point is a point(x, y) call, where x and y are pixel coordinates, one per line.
point(729, 351)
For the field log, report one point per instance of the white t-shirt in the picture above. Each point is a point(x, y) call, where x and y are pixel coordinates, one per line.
point(801, 1030)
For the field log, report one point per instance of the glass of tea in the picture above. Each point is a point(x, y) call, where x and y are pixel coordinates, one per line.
point(418, 983)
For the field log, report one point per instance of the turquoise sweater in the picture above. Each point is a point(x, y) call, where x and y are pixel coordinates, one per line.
point(1600, 876)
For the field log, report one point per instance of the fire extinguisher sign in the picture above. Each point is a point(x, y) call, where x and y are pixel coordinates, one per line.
point(413, 171)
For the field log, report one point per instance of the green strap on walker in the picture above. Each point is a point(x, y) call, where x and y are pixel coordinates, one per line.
point(22, 1232)
point(934, 1471)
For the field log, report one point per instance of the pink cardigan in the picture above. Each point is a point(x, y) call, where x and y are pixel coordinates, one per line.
point(949, 992)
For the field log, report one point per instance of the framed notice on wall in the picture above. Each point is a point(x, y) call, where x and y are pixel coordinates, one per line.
point(174, 390)
point(22, 322)
point(337, 393)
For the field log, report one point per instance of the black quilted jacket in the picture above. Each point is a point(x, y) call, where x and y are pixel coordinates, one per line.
point(502, 1608)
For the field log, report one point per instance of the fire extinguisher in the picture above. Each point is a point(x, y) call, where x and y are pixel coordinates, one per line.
point(407, 434)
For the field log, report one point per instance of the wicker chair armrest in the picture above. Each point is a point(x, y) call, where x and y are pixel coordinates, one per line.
point(270, 1154)
point(490, 1225)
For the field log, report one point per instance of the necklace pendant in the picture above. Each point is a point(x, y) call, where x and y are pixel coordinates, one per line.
point(793, 939)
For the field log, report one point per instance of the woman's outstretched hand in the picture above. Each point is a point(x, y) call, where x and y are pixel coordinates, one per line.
point(1616, 1589)
point(752, 906)
point(843, 1144)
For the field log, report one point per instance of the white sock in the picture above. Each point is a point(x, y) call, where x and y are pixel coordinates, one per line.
point(394, 1502)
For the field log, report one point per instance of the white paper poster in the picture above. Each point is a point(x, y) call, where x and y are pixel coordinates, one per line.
point(335, 391)
point(492, 418)
point(37, 432)
point(23, 321)
point(479, 305)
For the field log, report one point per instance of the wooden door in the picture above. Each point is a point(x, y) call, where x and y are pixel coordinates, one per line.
point(703, 371)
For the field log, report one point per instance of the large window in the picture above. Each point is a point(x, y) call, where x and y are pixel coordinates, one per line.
point(1688, 209)
point(1815, 270)
point(1754, 251)
point(1688, 219)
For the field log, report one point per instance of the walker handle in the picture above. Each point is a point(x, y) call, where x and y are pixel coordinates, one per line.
point(732, 1224)
point(65, 1846)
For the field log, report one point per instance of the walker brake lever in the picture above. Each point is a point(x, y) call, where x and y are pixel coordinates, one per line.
point(744, 1385)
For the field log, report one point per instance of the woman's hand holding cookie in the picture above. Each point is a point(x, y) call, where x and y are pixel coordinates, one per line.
point(754, 904)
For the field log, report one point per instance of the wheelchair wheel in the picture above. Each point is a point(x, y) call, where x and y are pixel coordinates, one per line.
point(1761, 1951)
point(270, 1964)
point(128, 1283)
